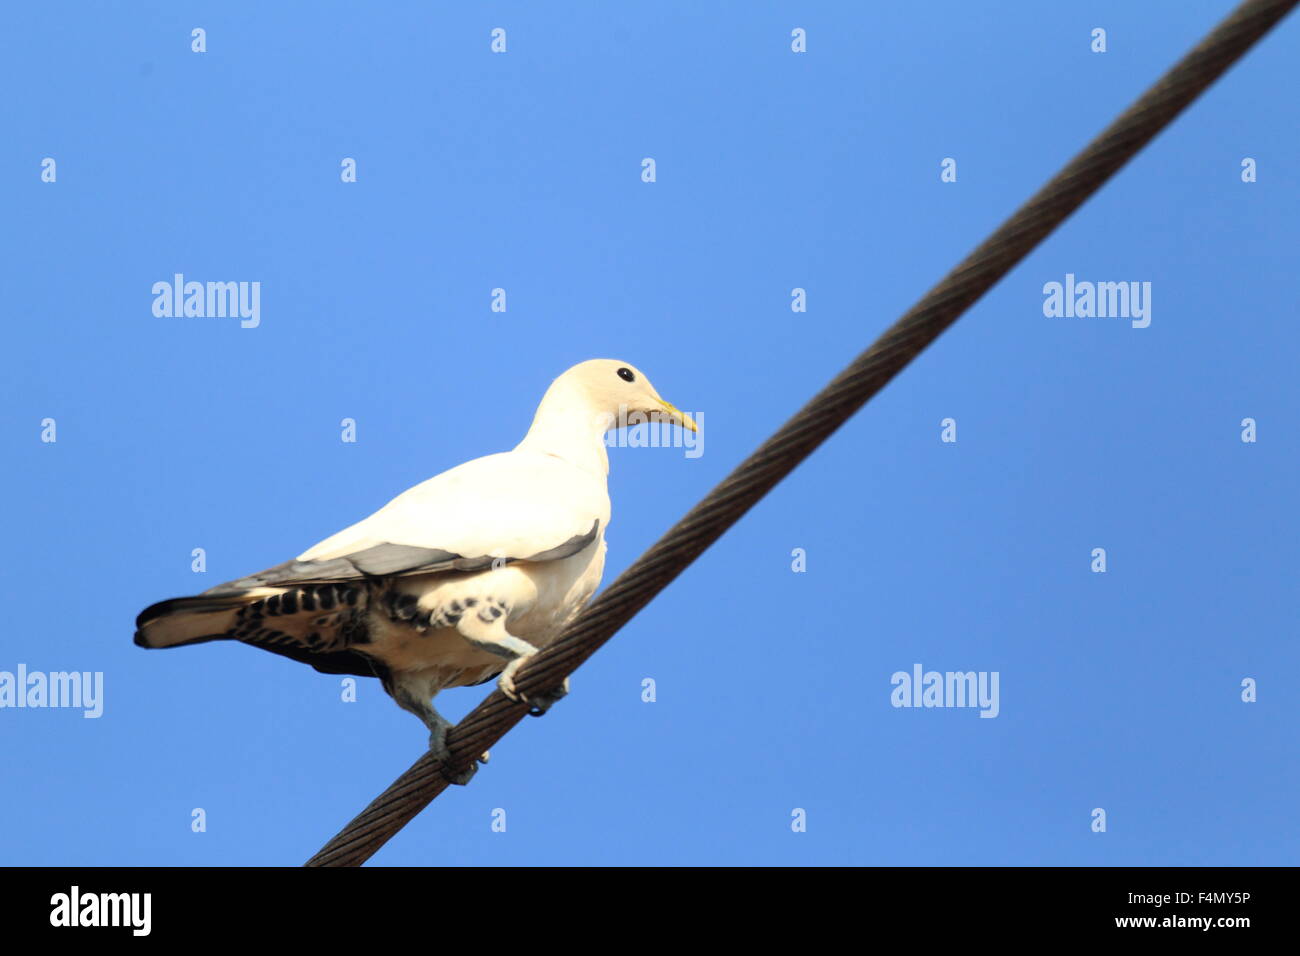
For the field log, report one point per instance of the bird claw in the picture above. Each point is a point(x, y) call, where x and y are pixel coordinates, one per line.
point(438, 747)
point(460, 778)
point(542, 702)
point(539, 703)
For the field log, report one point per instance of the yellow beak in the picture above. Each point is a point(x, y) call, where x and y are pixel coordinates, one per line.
point(678, 417)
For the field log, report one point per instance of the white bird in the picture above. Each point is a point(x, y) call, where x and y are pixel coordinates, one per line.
point(458, 580)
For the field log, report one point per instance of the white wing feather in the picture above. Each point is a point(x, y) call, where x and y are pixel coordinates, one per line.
point(512, 504)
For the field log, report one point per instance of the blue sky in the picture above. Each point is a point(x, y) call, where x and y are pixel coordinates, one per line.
point(775, 170)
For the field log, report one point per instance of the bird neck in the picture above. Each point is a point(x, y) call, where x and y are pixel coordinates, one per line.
point(567, 427)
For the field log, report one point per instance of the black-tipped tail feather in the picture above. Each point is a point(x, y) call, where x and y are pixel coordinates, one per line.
point(187, 620)
point(313, 624)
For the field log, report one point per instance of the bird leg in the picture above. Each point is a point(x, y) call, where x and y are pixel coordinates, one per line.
point(418, 700)
point(487, 632)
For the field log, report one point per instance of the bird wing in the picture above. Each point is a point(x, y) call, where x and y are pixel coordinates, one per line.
point(515, 506)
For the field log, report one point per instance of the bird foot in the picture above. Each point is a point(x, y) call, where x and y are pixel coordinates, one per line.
point(438, 747)
point(539, 703)
point(542, 702)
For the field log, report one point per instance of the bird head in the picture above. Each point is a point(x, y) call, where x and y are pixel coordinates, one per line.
point(619, 394)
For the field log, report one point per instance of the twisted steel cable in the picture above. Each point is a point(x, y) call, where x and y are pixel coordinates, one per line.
point(812, 425)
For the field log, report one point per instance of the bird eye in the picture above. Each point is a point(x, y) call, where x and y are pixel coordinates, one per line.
point(626, 375)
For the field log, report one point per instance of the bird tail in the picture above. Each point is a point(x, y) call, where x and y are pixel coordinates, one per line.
point(194, 620)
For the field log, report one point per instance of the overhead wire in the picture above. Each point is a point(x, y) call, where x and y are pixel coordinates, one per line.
point(811, 425)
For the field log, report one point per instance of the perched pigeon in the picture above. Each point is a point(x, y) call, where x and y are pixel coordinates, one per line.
point(457, 580)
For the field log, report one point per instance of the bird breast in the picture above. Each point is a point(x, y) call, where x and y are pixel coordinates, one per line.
point(412, 625)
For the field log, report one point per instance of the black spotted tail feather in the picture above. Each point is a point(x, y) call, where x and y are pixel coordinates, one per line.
point(313, 623)
point(190, 620)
